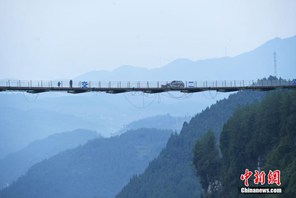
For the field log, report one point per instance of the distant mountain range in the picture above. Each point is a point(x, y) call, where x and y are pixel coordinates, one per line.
point(252, 65)
point(102, 167)
point(16, 164)
point(158, 122)
point(30, 117)
point(19, 127)
point(27, 119)
point(98, 169)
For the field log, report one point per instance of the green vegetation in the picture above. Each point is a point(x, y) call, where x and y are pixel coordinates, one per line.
point(207, 164)
point(100, 168)
point(18, 163)
point(172, 173)
point(264, 132)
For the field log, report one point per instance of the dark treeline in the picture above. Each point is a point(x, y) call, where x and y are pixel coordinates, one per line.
point(172, 173)
point(258, 136)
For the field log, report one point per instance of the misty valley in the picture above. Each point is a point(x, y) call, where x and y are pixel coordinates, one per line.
point(176, 145)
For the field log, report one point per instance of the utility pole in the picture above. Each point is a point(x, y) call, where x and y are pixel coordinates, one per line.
point(274, 62)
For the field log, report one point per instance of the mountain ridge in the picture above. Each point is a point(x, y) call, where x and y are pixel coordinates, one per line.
point(17, 163)
point(261, 57)
point(98, 168)
point(172, 173)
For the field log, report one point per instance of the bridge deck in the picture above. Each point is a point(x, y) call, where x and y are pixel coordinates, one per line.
point(115, 87)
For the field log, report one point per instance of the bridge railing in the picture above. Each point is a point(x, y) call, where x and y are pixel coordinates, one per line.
point(142, 84)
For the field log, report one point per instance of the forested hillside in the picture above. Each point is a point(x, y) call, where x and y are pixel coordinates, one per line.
point(98, 169)
point(16, 164)
point(159, 122)
point(259, 136)
point(172, 174)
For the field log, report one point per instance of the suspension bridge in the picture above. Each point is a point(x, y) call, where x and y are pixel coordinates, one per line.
point(115, 87)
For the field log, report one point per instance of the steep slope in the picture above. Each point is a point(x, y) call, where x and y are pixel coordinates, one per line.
point(172, 174)
point(17, 164)
point(263, 133)
point(99, 168)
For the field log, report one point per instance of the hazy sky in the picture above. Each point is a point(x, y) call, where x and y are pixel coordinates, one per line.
point(49, 39)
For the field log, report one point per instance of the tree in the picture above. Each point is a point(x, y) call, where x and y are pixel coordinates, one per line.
point(207, 163)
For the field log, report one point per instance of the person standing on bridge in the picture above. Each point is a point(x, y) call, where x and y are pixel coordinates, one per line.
point(71, 83)
point(59, 84)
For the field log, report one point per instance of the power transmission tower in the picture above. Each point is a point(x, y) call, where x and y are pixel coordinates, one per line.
point(275, 64)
